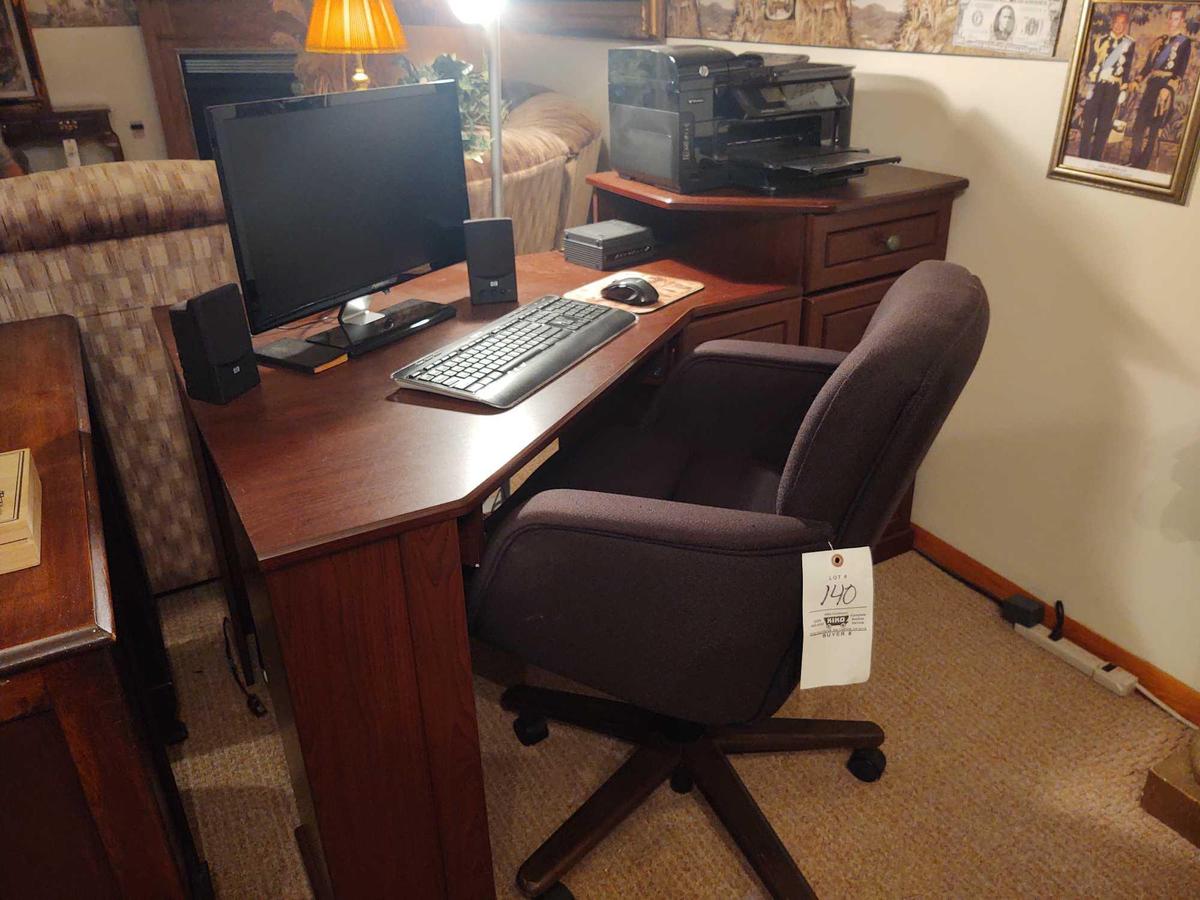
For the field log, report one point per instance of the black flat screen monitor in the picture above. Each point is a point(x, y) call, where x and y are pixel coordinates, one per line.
point(333, 197)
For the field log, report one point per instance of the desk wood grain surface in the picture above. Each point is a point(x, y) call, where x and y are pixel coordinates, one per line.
point(63, 604)
point(311, 461)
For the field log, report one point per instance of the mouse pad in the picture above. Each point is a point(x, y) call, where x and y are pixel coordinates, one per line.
point(669, 290)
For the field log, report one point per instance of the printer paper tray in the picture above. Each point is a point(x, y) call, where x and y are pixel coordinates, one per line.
point(808, 164)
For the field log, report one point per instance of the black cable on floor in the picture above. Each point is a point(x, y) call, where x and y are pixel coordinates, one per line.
point(253, 703)
point(972, 585)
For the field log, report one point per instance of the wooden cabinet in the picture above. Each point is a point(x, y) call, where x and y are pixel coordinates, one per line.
point(88, 805)
point(842, 247)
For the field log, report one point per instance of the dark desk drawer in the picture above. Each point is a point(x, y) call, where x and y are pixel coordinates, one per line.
point(847, 247)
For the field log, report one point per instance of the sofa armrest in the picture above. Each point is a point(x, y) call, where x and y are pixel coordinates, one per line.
point(107, 201)
point(743, 396)
point(674, 607)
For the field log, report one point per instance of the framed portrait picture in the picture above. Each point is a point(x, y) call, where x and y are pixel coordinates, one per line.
point(21, 79)
point(1129, 119)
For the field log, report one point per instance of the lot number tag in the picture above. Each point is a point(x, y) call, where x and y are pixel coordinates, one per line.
point(839, 617)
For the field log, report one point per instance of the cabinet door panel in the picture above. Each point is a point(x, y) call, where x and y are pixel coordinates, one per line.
point(777, 323)
point(836, 320)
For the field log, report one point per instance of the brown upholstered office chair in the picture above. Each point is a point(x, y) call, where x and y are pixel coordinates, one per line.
point(661, 565)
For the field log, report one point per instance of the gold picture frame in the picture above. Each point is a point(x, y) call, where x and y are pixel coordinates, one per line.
point(1131, 109)
point(21, 81)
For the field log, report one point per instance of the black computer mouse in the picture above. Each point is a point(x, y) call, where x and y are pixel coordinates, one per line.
point(630, 291)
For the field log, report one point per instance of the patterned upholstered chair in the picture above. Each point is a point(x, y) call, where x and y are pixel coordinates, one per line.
point(108, 243)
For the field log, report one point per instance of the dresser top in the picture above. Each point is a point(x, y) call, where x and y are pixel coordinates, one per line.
point(62, 604)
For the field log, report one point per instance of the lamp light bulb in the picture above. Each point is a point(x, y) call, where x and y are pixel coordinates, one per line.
point(477, 12)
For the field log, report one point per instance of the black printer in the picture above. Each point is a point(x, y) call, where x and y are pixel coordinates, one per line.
point(695, 118)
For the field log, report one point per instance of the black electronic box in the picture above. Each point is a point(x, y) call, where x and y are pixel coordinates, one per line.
point(611, 244)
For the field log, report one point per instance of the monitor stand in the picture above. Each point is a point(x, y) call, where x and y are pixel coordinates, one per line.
point(361, 330)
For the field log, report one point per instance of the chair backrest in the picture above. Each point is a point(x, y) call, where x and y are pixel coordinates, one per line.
point(859, 446)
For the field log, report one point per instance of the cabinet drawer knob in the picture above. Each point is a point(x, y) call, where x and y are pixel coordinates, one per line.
point(892, 242)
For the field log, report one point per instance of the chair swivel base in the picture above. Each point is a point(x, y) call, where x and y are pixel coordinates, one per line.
point(685, 754)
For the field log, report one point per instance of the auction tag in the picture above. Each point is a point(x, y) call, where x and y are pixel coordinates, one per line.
point(839, 617)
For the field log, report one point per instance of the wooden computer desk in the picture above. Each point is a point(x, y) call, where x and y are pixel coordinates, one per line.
point(346, 510)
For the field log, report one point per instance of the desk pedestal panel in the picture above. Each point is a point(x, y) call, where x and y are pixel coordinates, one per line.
point(366, 655)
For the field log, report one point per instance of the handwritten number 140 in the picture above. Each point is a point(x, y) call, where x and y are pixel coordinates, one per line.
point(840, 594)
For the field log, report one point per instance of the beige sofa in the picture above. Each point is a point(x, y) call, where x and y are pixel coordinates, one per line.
point(108, 243)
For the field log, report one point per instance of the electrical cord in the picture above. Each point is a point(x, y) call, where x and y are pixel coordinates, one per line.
point(253, 703)
point(972, 585)
point(1149, 696)
point(1056, 634)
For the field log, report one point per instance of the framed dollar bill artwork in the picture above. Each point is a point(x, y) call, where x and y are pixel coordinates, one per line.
point(1129, 118)
point(1027, 27)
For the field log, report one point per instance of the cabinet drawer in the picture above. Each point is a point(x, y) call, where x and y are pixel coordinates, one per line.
point(847, 247)
point(876, 240)
point(776, 323)
point(836, 320)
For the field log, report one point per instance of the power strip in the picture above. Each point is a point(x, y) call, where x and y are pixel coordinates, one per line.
point(1108, 674)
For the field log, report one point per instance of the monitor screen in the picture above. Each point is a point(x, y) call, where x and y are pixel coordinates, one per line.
point(332, 197)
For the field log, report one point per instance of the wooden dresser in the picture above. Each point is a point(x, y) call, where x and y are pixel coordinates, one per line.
point(841, 247)
point(39, 135)
point(88, 807)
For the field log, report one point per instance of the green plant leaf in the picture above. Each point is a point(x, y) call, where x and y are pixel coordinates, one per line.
point(474, 108)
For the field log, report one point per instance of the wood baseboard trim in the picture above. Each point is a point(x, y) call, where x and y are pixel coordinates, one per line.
point(1170, 690)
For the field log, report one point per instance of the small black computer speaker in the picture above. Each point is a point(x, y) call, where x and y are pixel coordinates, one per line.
point(213, 341)
point(491, 260)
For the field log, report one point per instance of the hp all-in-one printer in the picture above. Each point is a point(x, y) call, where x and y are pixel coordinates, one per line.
point(694, 118)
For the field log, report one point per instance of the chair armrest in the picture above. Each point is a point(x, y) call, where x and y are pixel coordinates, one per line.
point(743, 396)
point(687, 610)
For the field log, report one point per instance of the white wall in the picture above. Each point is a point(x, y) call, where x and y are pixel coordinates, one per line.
point(1071, 464)
point(104, 67)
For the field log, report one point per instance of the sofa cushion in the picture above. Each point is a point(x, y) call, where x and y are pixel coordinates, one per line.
point(524, 148)
point(559, 114)
point(543, 127)
point(110, 200)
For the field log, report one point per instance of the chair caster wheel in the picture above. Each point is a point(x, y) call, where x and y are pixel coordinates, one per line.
point(530, 730)
point(867, 764)
point(682, 781)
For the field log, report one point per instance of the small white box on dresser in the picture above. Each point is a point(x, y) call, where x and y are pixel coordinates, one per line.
point(20, 511)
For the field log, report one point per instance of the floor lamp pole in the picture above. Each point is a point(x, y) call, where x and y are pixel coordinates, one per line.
point(493, 61)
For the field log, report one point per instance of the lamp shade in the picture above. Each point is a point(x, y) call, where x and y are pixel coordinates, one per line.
point(355, 26)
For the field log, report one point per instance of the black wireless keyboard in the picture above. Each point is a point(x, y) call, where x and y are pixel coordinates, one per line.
point(504, 363)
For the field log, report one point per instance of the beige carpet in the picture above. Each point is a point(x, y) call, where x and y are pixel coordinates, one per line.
point(1009, 775)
